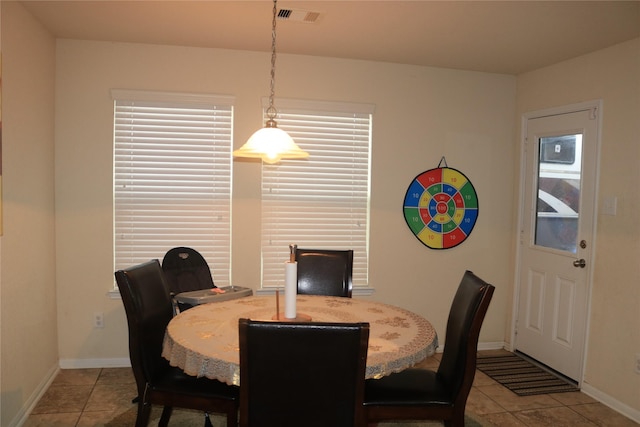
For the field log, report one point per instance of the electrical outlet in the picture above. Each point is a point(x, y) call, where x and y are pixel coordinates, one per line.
point(98, 320)
point(637, 363)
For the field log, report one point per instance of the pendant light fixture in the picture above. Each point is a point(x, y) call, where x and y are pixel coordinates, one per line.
point(270, 143)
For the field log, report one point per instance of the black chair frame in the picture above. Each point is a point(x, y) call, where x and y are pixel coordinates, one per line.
point(325, 272)
point(421, 394)
point(149, 309)
point(295, 374)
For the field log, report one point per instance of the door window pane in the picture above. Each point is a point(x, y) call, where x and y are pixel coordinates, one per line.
point(558, 207)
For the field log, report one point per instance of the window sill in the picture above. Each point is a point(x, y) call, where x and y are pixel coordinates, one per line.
point(359, 291)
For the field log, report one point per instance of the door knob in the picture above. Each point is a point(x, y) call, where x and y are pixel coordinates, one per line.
point(579, 263)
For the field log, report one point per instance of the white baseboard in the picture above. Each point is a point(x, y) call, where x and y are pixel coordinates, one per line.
point(32, 401)
point(95, 363)
point(611, 402)
point(481, 346)
point(499, 345)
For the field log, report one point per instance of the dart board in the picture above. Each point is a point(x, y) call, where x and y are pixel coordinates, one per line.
point(441, 207)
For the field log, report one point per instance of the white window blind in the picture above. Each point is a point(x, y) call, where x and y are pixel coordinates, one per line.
point(321, 202)
point(172, 177)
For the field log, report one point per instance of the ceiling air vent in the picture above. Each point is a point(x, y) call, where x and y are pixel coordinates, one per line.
point(296, 15)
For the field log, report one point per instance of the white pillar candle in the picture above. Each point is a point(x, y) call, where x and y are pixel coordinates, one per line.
point(290, 289)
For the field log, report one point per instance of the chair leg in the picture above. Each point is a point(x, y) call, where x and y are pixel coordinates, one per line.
point(232, 418)
point(457, 420)
point(164, 418)
point(144, 413)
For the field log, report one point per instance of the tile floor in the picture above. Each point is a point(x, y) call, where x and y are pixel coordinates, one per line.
point(102, 397)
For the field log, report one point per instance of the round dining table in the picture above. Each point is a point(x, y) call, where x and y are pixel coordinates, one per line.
point(203, 341)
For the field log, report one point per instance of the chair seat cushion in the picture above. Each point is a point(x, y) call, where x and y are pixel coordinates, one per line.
point(411, 387)
point(174, 380)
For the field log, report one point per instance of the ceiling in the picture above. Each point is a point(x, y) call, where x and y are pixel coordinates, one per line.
point(508, 37)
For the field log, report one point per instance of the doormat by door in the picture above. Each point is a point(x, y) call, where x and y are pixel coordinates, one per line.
point(521, 376)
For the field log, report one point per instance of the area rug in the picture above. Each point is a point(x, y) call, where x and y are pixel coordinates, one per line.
point(521, 376)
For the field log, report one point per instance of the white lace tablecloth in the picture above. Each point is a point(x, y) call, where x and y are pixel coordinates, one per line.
point(203, 341)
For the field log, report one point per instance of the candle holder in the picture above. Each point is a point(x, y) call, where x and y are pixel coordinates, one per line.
point(300, 317)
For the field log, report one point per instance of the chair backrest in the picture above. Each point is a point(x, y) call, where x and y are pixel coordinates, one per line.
point(149, 309)
point(296, 374)
point(186, 270)
point(325, 272)
point(469, 306)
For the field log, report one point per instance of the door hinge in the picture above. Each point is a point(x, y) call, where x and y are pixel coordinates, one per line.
point(593, 113)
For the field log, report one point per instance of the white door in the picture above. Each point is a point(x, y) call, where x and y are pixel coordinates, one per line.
point(556, 237)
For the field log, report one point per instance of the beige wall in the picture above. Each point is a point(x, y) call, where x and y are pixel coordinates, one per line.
point(421, 115)
point(29, 349)
point(612, 75)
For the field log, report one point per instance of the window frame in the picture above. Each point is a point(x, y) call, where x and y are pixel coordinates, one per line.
point(288, 119)
point(185, 178)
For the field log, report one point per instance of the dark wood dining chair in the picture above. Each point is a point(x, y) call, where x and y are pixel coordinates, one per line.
point(421, 394)
point(325, 272)
point(149, 309)
point(295, 374)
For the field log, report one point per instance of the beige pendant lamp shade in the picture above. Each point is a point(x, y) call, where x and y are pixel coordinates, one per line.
point(270, 143)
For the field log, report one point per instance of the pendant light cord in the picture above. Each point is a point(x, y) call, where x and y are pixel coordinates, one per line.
point(270, 143)
point(271, 110)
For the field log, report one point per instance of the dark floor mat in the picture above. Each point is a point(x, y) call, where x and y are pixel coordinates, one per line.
point(523, 377)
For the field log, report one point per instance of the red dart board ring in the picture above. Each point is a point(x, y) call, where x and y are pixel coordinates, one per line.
point(441, 207)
